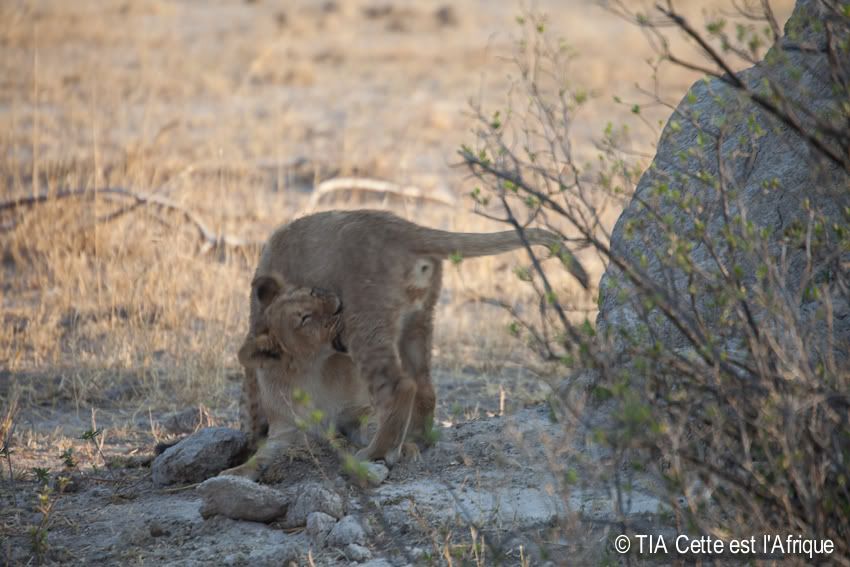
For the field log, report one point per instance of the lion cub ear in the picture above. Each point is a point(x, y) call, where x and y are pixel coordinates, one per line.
point(267, 287)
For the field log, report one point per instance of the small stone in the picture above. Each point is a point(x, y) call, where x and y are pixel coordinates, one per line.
point(377, 473)
point(241, 499)
point(199, 456)
point(347, 531)
point(354, 552)
point(156, 530)
point(319, 525)
point(312, 498)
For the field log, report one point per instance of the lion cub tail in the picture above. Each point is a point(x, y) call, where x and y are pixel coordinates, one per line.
point(470, 245)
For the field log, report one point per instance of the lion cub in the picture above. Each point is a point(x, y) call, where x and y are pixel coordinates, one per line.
point(305, 381)
point(388, 272)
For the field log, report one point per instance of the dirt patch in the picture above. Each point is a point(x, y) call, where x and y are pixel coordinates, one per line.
point(494, 484)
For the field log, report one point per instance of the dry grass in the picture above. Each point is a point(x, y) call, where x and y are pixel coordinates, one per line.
point(233, 110)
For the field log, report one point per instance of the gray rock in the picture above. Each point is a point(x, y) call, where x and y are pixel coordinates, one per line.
point(199, 456)
point(376, 473)
point(354, 552)
point(319, 525)
point(312, 498)
point(185, 421)
point(241, 499)
point(768, 172)
point(347, 531)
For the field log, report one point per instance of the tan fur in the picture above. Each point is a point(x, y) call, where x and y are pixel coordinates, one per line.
point(298, 373)
point(387, 272)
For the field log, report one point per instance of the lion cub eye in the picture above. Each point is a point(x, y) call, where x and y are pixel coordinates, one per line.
point(305, 319)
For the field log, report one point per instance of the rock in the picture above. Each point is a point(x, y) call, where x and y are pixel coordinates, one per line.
point(354, 552)
point(241, 499)
point(199, 456)
point(312, 498)
point(376, 473)
point(399, 516)
point(769, 173)
point(185, 421)
point(319, 525)
point(347, 531)
point(156, 529)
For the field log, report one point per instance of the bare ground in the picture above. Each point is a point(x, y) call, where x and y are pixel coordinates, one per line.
point(492, 490)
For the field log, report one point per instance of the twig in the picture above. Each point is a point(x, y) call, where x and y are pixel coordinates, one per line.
point(210, 239)
point(178, 488)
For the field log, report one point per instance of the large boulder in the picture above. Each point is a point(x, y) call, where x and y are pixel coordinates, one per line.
point(716, 143)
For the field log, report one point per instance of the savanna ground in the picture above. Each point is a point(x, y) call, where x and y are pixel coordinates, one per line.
point(114, 315)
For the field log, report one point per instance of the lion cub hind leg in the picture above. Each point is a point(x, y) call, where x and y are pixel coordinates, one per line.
point(394, 396)
point(415, 352)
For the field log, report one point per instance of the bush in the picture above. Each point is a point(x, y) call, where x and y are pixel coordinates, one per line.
point(720, 355)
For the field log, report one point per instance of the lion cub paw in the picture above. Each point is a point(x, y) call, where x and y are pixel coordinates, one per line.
point(249, 470)
point(259, 352)
point(408, 452)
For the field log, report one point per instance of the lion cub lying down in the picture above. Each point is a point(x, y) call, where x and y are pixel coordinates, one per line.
point(305, 380)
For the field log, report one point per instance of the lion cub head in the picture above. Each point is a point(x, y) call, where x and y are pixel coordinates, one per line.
point(296, 324)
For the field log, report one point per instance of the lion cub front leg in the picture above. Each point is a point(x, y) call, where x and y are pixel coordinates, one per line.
point(256, 352)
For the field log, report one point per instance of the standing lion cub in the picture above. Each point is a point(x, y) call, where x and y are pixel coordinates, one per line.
point(387, 271)
point(303, 381)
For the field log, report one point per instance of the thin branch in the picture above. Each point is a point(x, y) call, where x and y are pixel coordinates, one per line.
point(209, 238)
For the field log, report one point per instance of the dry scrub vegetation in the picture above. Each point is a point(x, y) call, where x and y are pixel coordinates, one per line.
point(233, 111)
point(719, 360)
